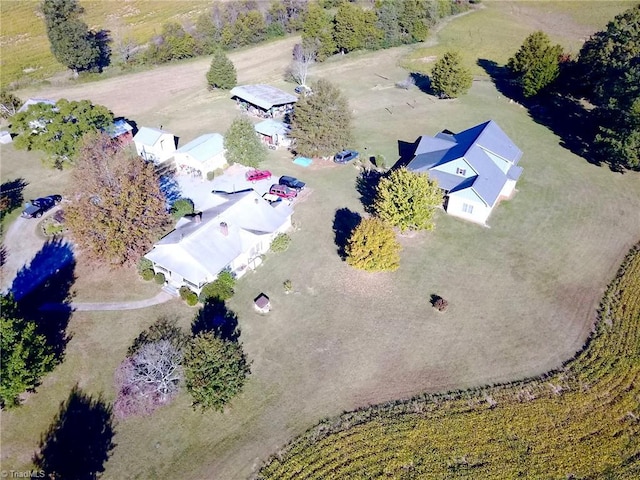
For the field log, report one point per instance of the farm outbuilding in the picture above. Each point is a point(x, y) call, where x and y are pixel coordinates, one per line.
point(262, 304)
point(274, 133)
point(155, 145)
point(203, 155)
point(263, 100)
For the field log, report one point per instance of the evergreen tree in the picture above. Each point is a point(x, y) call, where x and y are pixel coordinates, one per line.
point(449, 78)
point(321, 123)
point(117, 209)
point(215, 371)
point(57, 130)
point(537, 64)
point(72, 43)
point(25, 355)
point(373, 246)
point(408, 200)
point(222, 73)
point(243, 145)
point(413, 21)
point(317, 32)
point(388, 12)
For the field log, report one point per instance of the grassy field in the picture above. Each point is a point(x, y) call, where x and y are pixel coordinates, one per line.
point(24, 46)
point(522, 293)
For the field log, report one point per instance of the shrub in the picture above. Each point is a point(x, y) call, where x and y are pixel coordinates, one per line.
point(288, 286)
point(191, 299)
point(381, 162)
point(220, 289)
point(280, 243)
point(184, 292)
point(211, 175)
point(147, 274)
point(159, 278)
point(440, 304)
point(144, 264)
point(182, 207)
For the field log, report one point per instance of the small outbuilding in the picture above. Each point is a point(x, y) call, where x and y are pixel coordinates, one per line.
point(5, 137)
point(262, 304)
point(120, 130)
point(263, 101)
point(203, 155)
point(155, 145)
point(274, 133)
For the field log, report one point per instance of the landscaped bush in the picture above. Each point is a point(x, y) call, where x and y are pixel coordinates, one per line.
point(144, 264)
point(159, 278)
point(147, 275)
point(182, 207)
point(191, 299)
point(220, 289)
point(211, 175)
point(280, 243)
point(440, 304)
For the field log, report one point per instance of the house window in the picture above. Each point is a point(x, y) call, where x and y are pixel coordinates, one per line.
point(461, 171)
point(466, 208)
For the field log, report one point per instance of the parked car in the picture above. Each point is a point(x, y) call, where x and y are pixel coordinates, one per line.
point(36, 207)
point(303, 89)
point(291, 182)
point(283, 191)
point(345, 156)
point(255, 175)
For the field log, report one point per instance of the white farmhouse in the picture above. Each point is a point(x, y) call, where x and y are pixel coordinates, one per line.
point(155, 145)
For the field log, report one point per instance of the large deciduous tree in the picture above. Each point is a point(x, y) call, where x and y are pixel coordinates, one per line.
point(243, 145)
point(117, 209)
point(449, 78)
point(72, 43)
point(536, 64)
point(321, 123)
point(215, 370)
point(609, 66)
point(408, 200)
point(148, 379)
point(25, 355)
point(58, 130)
point(222, 72)
point(373, 246)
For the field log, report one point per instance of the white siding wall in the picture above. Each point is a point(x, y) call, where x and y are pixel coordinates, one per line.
point(508, 188)
point(476, 212)
point(162, 150)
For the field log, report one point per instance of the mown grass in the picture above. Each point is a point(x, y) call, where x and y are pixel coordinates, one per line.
point(522, 293)
point(580, 422)
point(24, 46)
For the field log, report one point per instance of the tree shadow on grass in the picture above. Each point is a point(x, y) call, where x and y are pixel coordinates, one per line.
point(42, 291)
point(423, 82)
point(562, 114)
point(215, 317)
point(11, 195)
point(367, 187)
point(344, 222)
point(80, 439)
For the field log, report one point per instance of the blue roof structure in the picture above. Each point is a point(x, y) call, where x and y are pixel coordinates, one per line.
point(119, 127)
point(271, 127)
point(488, 152)
point(204, 147)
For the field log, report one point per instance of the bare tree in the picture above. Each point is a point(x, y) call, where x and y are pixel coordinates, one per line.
point(149, 379)
point(303, 57)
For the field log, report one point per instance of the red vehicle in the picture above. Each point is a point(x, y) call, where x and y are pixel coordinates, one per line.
point(283, 191)
point(255, 175)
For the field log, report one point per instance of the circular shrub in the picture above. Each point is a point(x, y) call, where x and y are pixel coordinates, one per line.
point(144, 264)
point(281, 242)
point(184, 292)
point(147, 275)
point(159, 278)
point(440, 304)
point(210, 175)
point(191, 299)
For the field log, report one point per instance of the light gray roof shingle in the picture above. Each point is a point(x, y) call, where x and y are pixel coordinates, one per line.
point(149, 135)
point(263, 96)
point(204, 147)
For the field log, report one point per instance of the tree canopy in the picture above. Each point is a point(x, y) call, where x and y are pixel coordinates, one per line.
point(373, 246)
point(25, 355)
point(222, 73)
point(536, 64)
point(117, 209)
point(72, 43)
point(408, 200)
point(243, 144)
point(58, 130)
point(215, 370)
point(449, 78)
point(317, 32)
point(321, 123)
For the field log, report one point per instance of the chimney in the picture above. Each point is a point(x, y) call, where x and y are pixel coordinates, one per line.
point(224, 228)
point(198, 217)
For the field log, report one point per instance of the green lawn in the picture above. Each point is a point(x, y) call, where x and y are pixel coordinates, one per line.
point(522, 293)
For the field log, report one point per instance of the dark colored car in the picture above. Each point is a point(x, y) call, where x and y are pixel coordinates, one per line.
point(283, 191)
point(302, 89)
point(255, 175)
point(345, 156)
point(291, 182)
point(36, 207)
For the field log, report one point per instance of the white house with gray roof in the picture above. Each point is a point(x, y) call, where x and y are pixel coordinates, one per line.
point(203, 155)
point(229, 236)
point(154, 145)
point(476, 168)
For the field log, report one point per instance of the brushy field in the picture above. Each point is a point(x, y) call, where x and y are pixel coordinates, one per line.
point(523, 293)
point(24, 46)
point(580, 422)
